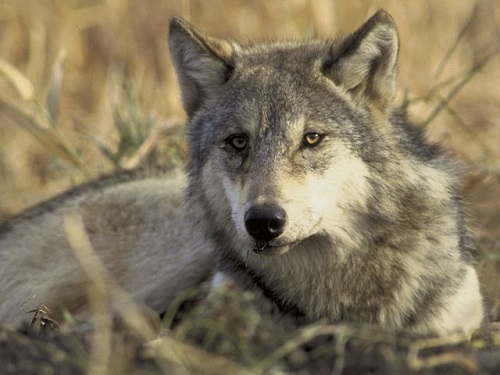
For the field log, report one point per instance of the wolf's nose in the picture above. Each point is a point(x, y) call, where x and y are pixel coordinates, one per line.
point(265, 222)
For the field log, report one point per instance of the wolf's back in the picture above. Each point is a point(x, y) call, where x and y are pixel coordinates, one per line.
point(137, 229)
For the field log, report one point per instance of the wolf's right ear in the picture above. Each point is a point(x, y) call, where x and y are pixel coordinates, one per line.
point(202, 63)
point(365, 63)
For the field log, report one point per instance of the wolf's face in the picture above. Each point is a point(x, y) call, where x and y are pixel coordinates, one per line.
point(278, 158)
point(280, 133)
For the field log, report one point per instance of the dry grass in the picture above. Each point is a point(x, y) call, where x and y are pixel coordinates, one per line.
point(86, 86)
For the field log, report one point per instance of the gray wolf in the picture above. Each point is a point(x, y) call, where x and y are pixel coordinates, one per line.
point(305, 182)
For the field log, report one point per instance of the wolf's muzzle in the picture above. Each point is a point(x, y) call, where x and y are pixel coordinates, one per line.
point(265, 222)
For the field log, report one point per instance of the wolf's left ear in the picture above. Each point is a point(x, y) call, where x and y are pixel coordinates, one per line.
point(365, 63)
point(202, 63)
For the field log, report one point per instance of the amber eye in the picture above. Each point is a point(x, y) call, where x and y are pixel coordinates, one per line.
point(312, 139)
point(238, 142)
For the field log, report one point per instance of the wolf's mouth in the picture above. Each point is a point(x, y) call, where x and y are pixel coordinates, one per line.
point(262, 246)
point(268, 248)
point(279, 247)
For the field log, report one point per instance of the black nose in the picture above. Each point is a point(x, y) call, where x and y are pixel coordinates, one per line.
point(265, 222)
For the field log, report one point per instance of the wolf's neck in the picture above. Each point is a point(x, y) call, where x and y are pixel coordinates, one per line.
point(316, 280)
point(292, 281)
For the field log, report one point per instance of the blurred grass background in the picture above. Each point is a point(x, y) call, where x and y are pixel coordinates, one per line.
point(87, 86)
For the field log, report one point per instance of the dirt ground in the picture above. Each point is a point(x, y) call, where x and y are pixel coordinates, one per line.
point(228, 334)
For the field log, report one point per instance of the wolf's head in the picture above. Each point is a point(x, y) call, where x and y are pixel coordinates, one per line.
point(281, 133)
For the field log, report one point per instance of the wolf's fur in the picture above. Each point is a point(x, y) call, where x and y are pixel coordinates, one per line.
point(136, 225)
point(365, 225)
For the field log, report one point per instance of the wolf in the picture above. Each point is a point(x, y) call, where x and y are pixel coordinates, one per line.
point(305, 183)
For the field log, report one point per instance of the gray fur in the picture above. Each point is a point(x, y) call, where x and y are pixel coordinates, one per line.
point(385, 242)
point(368, 222)
point(137, 227)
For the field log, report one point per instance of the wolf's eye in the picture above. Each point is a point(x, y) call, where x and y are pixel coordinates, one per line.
point(312, 139)
point(238, 142)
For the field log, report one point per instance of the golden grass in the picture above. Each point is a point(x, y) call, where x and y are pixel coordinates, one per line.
point(87, 86)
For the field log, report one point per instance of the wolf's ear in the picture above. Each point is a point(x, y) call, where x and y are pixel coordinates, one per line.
point(202, 63)
point(365, 63)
